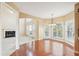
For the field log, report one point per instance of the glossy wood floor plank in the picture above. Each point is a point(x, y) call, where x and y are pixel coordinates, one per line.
point(45, 48)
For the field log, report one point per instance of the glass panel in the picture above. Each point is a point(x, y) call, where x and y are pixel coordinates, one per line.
point(58, 31)
point(46, 32)
point(30, 29)
point(69, 31)
point(22, 26)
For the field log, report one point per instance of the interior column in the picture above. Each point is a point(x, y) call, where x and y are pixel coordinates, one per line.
point(77, 29)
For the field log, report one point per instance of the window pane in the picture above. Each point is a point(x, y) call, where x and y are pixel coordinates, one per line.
point(58, 31)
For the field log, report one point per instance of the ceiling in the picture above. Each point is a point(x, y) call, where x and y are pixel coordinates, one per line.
point(46, 9)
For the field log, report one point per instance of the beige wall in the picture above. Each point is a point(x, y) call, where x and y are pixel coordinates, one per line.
point(12, 5)
point(37, 21)
point(62, 19)
point(41, 22)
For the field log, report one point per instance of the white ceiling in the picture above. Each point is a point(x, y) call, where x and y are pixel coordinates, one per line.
point(46, 9)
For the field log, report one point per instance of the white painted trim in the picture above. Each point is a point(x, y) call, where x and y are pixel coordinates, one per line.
point(0, 41)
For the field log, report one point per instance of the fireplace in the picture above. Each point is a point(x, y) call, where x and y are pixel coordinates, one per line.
point(9, 34)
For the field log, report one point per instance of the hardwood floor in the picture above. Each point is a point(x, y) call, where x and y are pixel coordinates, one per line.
point(45, 48)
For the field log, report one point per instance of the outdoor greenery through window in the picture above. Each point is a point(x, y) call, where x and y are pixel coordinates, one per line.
point(58, 31)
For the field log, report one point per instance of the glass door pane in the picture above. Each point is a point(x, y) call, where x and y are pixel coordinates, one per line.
point(30, 29)
point(58, 31)
point(69, 31)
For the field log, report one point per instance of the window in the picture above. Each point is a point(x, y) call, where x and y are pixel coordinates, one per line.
point(69, 31)
point(30, 28)
point(46, 31)
point(58, 31)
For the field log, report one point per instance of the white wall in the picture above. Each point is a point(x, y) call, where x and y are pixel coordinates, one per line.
point(0, 42)
point(0, 32)
point(8, 21)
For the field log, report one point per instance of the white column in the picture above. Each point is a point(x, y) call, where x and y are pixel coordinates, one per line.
point(0, 32)
point(17, 34)
point(0, 41)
